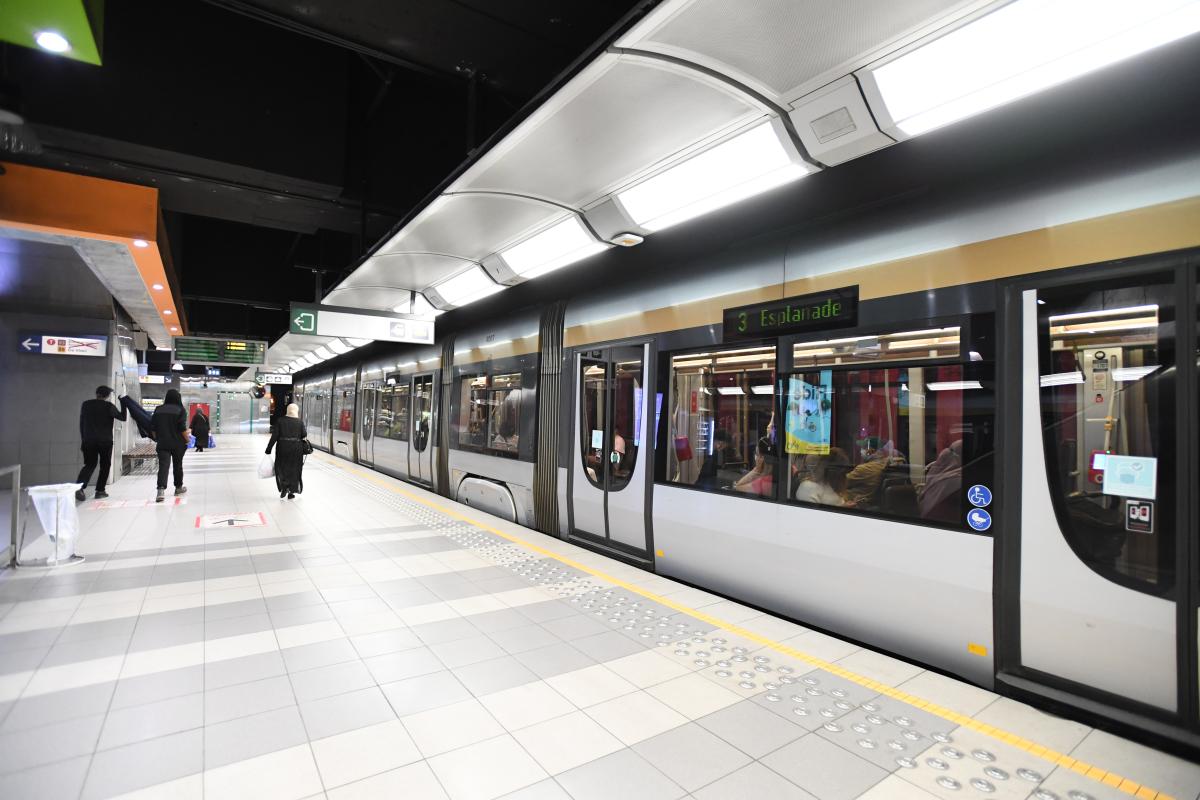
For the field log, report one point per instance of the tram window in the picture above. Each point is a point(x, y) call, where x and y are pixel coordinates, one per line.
point(344, 409)
point(1108, 409)
point(489, 412)
point(422, 401)
point(721, 432)
point(504, 417)
point(888, 441)
point(393, 409)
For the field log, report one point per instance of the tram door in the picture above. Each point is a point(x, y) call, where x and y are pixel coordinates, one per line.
point(368, 408)
point(420, 451)
point(609, 462)
point(1108, 516)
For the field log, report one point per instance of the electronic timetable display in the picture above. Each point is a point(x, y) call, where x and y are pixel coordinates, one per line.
point(218, 352)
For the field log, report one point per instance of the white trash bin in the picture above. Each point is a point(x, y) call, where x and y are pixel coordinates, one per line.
point(55, 507)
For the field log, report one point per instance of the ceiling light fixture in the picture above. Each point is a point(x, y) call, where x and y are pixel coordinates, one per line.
point(358, 342)
point(52, 41)
point(323, 353)
point(311, 359)
point(339, 347)
point(158, 287)
point(748, 164)
point(174, 329)
point(168, 311)
point(730, 390)
point(561, 244)
point(467, 287)
point(140, 243)
point(763, 389)
point(1019, 50)
point(177, 366)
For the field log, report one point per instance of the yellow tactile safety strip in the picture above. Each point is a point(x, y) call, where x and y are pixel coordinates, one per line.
point(1091, 771)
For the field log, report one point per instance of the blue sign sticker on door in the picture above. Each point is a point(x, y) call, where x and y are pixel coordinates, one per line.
point(979, 519)
point(979, 495)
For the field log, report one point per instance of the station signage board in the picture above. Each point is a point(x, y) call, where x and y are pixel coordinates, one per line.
point(157, 379)
point(355, 323)
point(220, 352)
point(53, 344)
point(834, 308)
point(269, 378)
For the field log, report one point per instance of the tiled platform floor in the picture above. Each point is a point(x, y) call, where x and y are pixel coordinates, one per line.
point(362, 644)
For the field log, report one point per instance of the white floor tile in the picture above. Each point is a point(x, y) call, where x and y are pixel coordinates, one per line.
point(646, 669)
point(525, 705)
point(636, 717)
point(450, 727)
point(352, 756)
point(566, 742)
point(486, 770)
point(590, 685)
point(414, 782)
point(694, 696)
point(189, 788)
point(284, 775)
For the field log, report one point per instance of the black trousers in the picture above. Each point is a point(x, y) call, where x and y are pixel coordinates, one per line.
point(165, 459)
point(94, 452)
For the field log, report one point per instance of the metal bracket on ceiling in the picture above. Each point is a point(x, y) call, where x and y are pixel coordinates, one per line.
point(751, 93)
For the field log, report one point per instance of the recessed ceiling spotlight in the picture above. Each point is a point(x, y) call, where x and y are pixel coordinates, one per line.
point(167, 311)
point(140, 243)
point(173, 329)
point(52, 41)
point(627, 239)
point(158, 287)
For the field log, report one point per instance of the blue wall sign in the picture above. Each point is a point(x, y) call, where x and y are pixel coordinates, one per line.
point(979, 496)
point(979, 519)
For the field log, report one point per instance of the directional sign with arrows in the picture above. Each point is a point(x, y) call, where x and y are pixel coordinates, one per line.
point(53, 344)
point(356, 323)
point(252, 519)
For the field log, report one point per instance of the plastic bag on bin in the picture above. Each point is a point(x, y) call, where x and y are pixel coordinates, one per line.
point(266, 467)
point(55, 506)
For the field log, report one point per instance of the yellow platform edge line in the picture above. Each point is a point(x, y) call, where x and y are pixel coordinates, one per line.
point(1127, 786)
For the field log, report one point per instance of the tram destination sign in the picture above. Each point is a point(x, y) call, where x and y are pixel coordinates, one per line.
point(220, 352)
point(356, 323)
point(834, 308)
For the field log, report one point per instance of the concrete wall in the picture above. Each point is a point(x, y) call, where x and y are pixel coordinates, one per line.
point(48, 289)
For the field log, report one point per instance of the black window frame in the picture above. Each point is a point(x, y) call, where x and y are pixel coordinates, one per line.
point(527, 366)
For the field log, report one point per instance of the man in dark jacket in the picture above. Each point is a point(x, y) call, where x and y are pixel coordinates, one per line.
point(96, 433)
point(168, 428)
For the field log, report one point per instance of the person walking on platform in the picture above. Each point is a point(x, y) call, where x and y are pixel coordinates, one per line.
point(292, 437)
point(169, 431)
point(96, 434)
point(200, 430)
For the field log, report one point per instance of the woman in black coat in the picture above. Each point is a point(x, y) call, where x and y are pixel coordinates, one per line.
point(200, 430)
point(290, 434)
point(168, 428)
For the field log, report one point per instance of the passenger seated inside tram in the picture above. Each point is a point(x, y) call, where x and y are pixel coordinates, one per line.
point(760, 480)
point(864, 481)
point(506, 420)
point(940, 496)
point(826, 482)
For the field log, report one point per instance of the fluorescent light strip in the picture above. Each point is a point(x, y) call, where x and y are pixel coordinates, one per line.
point(949, 386)
point(1109, 312)
point(765, 389)
point(727, 390)
point(1124, 374)
point(1061, 378)
point(1021, 49)
point(561, 244)
point(339, 347)
point(467, 287)
point(748, 164)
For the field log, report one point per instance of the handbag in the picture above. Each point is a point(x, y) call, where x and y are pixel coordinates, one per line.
point(306, 447)
point(683, 448)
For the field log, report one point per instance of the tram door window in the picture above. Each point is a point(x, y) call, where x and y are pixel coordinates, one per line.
point(609, 477)
point(1108, 409)
point(420, 455)
point(368, 412)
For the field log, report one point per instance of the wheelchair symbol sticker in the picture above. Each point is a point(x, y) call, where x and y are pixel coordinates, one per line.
point(979, 519)
point(979, 496)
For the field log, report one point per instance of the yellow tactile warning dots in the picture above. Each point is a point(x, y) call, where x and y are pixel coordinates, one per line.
point(887, 723)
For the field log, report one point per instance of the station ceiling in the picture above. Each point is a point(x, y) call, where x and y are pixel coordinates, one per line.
point(287, 137)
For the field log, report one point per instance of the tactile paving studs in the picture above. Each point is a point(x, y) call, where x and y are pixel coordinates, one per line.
point(937, 764)
point(1075, 794)
point(867, 744)
point(773, 698)
point(833, 727)
point(952, 752)
point(1044, 794)
point(938, 736)
point(906, 762)
point(983, 755)
point(946, 782)
point(1029, 775)
point(981, 785)
point(995, 773)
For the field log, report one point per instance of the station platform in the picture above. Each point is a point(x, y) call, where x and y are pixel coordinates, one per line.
point(372, 640)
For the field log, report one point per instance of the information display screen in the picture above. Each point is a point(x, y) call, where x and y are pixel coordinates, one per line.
point(220, 352)
point(836, 308)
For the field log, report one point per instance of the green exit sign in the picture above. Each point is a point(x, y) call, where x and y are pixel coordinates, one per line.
point(303, 320)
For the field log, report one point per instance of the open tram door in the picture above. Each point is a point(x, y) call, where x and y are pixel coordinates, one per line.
point(420, 451)
point(610, 458)
point(1098, 547)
